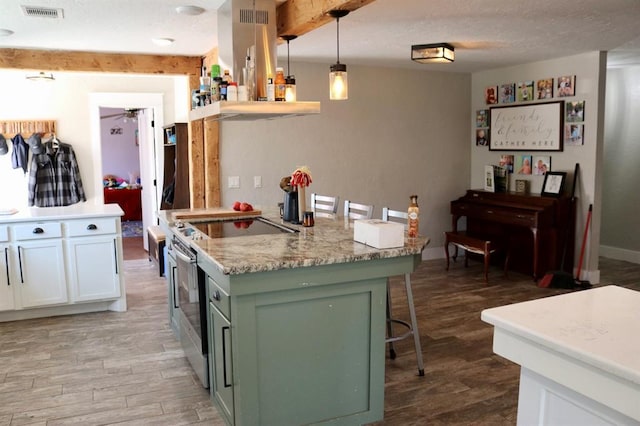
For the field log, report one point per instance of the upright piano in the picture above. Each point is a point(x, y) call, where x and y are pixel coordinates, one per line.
point(537, 231)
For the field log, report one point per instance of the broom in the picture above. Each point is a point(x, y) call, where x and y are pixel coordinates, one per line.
point(578, 283)
point(562, 279)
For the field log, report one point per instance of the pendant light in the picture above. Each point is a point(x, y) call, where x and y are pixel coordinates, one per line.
point(290, 80)
point(338, 84)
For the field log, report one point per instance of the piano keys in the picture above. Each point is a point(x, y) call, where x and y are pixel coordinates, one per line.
point(538, 231)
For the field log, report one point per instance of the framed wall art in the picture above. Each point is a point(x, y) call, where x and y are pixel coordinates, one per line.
point(525, 91)
point(533, 127)
point(553, 184)
point(507, 93)
point(482, 118)
point(574, 134)
point(491, 95)
point(544, 88)
point(566, 85)
point(489, 182)
point(575, 111)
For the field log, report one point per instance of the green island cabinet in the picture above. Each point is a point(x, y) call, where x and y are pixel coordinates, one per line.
point(301, 345)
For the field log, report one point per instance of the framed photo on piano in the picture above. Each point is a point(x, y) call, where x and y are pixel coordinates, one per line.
point(553, 184)
point(531, 127)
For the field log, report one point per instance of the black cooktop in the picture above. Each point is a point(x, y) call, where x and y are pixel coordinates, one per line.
point(240, 228)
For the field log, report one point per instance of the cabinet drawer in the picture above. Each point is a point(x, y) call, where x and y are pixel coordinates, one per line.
point(91, 226)
point(218, 297)
point(37, 231)
point(4, 234)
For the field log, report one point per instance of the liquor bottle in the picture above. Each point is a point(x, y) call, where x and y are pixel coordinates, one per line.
point(414, 219)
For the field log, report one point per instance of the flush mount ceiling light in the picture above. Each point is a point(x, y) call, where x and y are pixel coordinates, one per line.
point(432, 53)
point(41, 76)
point(338, 84)
point(5, 32)
point(189, 10)
point(163, 41)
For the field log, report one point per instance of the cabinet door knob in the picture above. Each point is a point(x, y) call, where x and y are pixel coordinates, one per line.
point(38, 230)
point(91, 227)
point(216, 295)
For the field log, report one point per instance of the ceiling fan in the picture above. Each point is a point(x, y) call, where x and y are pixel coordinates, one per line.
point(126, 115)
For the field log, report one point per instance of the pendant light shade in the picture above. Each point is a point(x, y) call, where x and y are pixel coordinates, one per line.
point(290, 80)
point(338, 83)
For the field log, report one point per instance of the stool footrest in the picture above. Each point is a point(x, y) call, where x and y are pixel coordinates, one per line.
point(407, 333)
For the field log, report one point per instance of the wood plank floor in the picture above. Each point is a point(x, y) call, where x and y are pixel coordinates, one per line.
point(128, 369)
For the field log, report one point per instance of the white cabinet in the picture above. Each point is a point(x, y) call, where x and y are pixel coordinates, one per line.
point(6, 284)
point(92, 251)
point(40, 275)
point(60, 261)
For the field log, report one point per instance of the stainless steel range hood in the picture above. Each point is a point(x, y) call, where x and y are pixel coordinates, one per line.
point(249, 26)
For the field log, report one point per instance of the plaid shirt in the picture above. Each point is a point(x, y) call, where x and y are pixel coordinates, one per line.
point(54, 177)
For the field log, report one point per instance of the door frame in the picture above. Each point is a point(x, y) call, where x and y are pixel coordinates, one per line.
point(150, 171)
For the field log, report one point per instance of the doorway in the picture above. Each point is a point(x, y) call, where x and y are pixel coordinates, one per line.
point(149, 138)
point(119, 130)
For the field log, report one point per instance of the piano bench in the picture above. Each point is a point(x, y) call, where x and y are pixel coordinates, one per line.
point(486, 248)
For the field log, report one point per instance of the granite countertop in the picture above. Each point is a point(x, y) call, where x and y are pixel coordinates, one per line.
point(330, 241)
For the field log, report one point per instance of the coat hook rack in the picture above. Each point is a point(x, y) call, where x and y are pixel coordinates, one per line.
point(10, 128)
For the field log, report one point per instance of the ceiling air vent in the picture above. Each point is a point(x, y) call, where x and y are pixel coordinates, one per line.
point(42, 12)
point(246, 16)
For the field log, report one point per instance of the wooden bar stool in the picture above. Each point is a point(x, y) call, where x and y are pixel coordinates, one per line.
point(486, 248)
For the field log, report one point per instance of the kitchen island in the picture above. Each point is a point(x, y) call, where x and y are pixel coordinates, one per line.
point(578, 354)
point(61, 260)
point(296, 323)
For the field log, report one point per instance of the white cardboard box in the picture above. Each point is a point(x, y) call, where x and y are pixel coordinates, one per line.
point(378, 233)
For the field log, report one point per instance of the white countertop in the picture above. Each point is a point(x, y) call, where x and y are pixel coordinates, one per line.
point(78, 210)
point(600, 327)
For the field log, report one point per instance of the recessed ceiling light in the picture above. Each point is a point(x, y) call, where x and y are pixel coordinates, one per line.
point(189, 10)
point(162, 41)
point(5, 32)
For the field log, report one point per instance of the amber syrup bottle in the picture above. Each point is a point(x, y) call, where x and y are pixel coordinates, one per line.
point(414, 217)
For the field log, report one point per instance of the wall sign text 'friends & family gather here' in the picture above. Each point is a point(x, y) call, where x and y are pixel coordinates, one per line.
point(533, 127)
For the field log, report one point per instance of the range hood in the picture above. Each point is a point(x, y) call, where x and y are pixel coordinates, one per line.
point(246, 26)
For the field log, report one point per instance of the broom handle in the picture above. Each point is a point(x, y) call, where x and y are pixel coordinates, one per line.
point(584, 241)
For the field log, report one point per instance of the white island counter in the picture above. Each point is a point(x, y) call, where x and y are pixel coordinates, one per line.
point(61, 260)
point(579, 355)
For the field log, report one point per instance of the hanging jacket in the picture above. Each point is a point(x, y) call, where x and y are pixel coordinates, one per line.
point(54, 177)
point(20, 153)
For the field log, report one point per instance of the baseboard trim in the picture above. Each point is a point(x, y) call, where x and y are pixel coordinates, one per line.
point(620, 254)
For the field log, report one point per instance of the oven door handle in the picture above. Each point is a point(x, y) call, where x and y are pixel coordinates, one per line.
point(183, 257)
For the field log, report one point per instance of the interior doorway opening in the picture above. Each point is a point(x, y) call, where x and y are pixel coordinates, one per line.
point(149, 138)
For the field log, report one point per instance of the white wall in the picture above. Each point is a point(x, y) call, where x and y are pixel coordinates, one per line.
point(590, 73)
point(120, 153)
point(620, 197)
point(399, 133)
point(67, 100)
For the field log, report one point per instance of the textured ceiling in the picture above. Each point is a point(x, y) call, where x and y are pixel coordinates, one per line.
point(486, 33)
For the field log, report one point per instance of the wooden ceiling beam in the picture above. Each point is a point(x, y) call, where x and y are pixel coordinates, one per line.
point(298, 17)
point(59, 60)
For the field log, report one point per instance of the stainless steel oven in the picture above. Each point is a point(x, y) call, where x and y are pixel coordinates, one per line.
point(193, 313)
